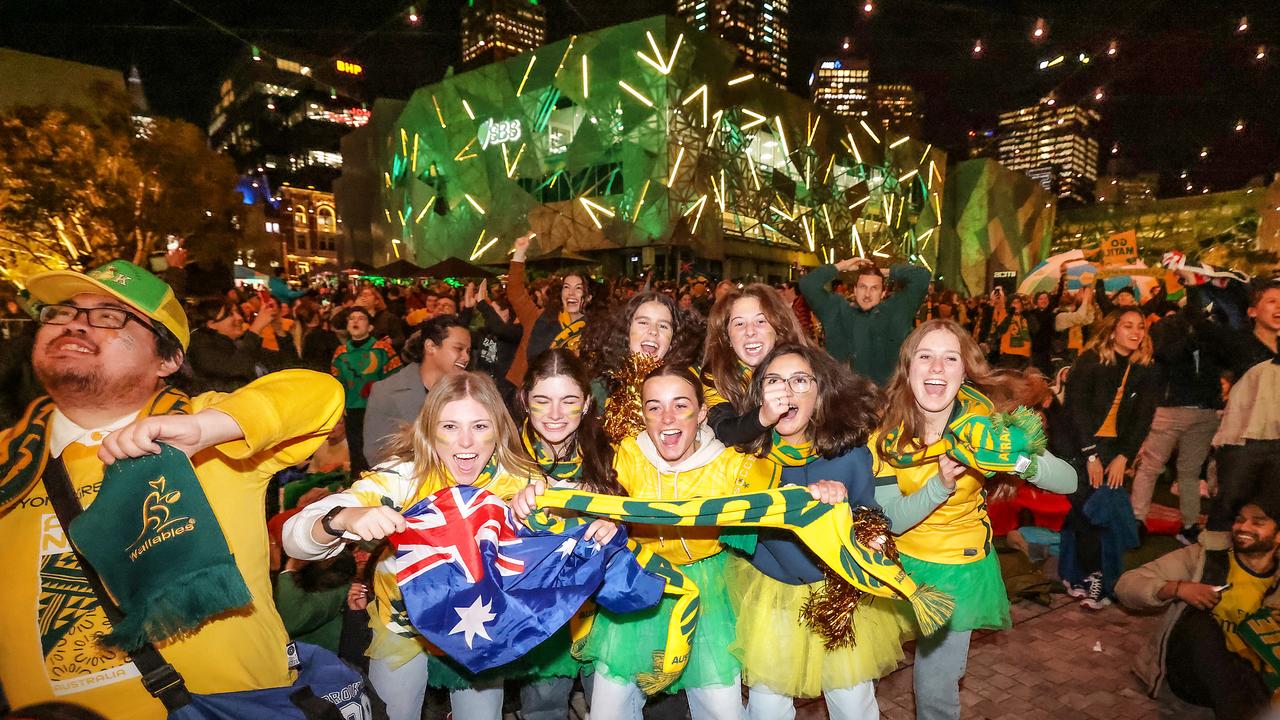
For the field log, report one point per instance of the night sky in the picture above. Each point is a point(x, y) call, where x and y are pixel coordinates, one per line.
point(1180, 81)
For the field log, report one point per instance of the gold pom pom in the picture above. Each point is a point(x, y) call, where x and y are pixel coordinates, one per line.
point(828, 611)
point(871, 530)
point(625, 412)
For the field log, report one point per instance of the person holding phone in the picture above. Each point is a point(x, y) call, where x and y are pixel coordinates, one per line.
point(1199, 651)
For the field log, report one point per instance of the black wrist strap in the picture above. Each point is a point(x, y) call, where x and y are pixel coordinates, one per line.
point(158, 676)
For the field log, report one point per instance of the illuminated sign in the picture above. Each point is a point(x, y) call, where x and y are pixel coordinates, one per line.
point(499, 132)
point(831, 65)
point(349, 68)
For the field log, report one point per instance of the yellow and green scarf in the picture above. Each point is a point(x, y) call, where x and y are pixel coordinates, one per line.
point(567, 468)
point(788, 454)
point(570, 335)
point(831, 532)
point(24, 450)
point(980, 438)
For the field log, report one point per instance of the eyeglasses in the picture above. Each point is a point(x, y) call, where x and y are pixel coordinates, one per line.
point(800, 383)
point(109, 318)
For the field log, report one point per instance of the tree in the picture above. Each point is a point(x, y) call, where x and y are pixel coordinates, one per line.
point(78, 189)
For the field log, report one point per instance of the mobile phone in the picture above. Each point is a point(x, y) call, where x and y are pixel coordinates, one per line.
point(1220, 588)
point(174, 244)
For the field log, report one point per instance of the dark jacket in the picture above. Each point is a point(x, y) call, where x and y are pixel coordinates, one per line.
point(318, 347)
point(732, 428)
point(1188, 374)
point(394, 402)
point(778, 554)
point(869, 340)
point(222, 364)
point(1091, 389)
point(493, 344)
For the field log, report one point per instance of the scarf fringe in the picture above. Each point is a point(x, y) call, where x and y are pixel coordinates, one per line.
point(652, 683)
point(932, 607)
point(1032, 426)
point(181, 607)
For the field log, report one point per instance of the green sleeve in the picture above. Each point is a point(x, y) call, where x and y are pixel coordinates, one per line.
point(906, 511)
point(1055, 475)
point(304, 612)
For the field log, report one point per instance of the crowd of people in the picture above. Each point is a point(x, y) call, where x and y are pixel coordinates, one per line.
point(854, 381)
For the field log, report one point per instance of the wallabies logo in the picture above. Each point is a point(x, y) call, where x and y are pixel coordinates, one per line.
point(158, 524)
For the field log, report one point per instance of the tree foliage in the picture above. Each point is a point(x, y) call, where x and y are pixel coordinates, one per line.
point(79, 188)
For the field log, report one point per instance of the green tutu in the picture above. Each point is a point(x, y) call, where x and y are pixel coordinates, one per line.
point(550, 659)
point(445, 672)
point(977, 588)
point(622, 646)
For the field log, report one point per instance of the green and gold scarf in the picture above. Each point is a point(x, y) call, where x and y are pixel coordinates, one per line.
point(980, 438)
point(788, 454)
point(570, 335)
point(836, 536)
point(569, 468)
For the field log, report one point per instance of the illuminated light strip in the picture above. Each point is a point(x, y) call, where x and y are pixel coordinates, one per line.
point(715, 188)
point(675, 168)
point(422, 213)
point(813, 129)
point(635, 212)
point(908, 176)
point(528, 69)
point(400, 214)
point(857, 241)
point(782, 138)
point(463, 152)
point(925, 155)
point(870, 132)
point(474, 204)
point(827, 218)
point(466, 107)
point(439, 115)
point(857, 156)
point(933, 170)
point(808, 167)
point(831, 164)
point(703, 92)
point(860, 202)
point(899, 141)
point(740, 79)
point(831, 255)
point(715, 125)
point(657, 61)
point(591, 211)
point(387, 213)
point(586, 89)
point(413, 168)
point(755, 179)
point(699, 205)
point(404, 142)
point(564, 57)
point(487, 245)
point(635, 93)
point(759, 120)
point(511, 167)
point(387, 177)
point(888, 211)
point(395, 245)
point(877, 252)
point(920, 259)
point(476, 247)
point(924, 239)
point(937, 208)
point(804, 222)
point(781, 212)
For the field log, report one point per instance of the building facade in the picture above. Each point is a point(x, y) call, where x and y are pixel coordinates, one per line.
point(842, 84)
point(759, 29)
point(895, 107)
point(494, 30)
point(281, 118)
point(641, 144)
point(1054, 144)
point(1126, 189)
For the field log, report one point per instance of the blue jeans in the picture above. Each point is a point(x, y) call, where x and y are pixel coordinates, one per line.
point(404, 689)
point(940, 663)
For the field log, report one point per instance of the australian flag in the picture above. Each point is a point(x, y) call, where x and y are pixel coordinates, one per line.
point(487, 590)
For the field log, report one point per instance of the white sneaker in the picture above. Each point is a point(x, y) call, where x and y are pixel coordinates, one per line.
point(1094, 599)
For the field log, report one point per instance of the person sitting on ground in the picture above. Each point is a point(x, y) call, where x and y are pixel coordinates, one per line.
point(1198, 650)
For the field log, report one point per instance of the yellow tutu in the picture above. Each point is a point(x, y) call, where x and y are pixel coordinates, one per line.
point(778, 651)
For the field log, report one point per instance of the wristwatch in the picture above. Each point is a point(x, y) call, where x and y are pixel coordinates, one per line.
point(328, 518)
point(1093, 457)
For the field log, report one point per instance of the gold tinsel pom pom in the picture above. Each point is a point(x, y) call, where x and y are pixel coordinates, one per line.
point(624, 416)
point(828, 611)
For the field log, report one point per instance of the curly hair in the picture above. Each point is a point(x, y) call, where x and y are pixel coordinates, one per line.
point(555, 302)
point(845, 413)
point(605, 343)
point(1103, 341)
point(719, 358)
point(598, 475)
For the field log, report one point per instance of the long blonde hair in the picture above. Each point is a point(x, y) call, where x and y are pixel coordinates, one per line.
point(415, 443)
point(1103, 340)
point(901, 409)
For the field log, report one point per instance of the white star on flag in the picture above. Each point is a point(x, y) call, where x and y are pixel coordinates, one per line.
point(567, 546)
point(471, 621)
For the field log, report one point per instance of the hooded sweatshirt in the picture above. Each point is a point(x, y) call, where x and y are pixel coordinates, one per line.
point(712, 470)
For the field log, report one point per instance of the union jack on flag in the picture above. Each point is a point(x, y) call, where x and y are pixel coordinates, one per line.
point(487, 590)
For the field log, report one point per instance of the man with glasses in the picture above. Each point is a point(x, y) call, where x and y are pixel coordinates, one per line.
point(108, 343)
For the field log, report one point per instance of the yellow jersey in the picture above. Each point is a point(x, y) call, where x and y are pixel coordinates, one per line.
point(1238, 602)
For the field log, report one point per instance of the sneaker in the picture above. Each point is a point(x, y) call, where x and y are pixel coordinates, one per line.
point(1094, 600)
point(1075, 591)
point(1188, 535)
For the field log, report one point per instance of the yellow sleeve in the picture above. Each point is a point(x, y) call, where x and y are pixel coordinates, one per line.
point(626, 460)
point(284, 415)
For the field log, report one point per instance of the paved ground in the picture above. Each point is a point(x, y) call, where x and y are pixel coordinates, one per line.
point(1060, 661)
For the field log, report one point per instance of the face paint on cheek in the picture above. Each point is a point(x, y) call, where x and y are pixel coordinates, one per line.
point(538, 409)
point(686, 413)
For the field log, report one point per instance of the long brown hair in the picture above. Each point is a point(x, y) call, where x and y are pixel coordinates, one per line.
point(598, 475)
point(1103, 340)
point(416, 444)
point(718, 356)
point(901, 409)
point(847, 409)
point(606, 341)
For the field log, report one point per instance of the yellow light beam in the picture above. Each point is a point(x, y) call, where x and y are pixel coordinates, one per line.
point(755, 179)
point(466, 107)
point(635, 93)
point(474, 204)
point(715, 188)
point(699, 205)
point(635, 212)
point(740, 79)
point(857, 156)
point(856, 203)
point(662, 65)
point(476, 247)
point(404, 142)
point(386, 176)
point(528, 69)
point(413, 167)
point(813, 129)
point(592, 208)
point(870, 132)
point(701, 91)
point(463, 152)
point(827, 218)
point(422, 213)
point(925, 154)
point(586, 87)
point(830, 166)
point(908, 176)
point(759, 119)
point(782, 137)
point(899, 141)
point(487, 245)
point(511, 166)
point(675, 168)
point(565, 56)
point(439, 114)
point(857, 241)
point(804, 222)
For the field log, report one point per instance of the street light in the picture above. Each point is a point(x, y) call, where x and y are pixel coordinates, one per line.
point(1040, 30)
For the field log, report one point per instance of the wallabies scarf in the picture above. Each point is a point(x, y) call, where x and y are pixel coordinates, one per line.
point(566, 468)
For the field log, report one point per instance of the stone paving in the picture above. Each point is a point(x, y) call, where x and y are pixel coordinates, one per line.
point(1061, 661)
